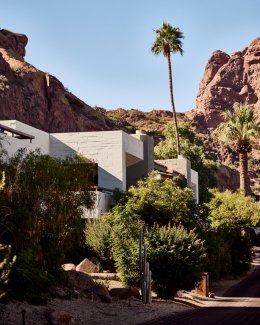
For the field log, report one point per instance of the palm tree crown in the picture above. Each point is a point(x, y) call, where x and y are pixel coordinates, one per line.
point(239, 128)
point(168, 40)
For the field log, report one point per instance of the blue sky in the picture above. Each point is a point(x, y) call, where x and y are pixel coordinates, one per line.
point(100, 49)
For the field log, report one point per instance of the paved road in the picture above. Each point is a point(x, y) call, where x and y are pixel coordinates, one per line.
point(240, 305)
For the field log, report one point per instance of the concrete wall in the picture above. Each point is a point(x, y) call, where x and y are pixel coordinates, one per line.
point(102, 206)
point(41, 141)
point(195, 184)
point(104, 148)
point(112, 150)
point(11, 144)
point(144, 167)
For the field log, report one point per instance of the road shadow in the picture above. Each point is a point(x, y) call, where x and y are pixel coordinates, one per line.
point(211, 316)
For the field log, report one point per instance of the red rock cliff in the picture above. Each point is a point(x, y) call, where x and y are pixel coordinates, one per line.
point(37, 98)
point(226, 80)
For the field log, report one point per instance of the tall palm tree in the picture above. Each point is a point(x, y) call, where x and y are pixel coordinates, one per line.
point(168, 40)
point(239, 128)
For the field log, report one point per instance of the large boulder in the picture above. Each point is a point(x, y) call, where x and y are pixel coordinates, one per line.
point(79, 281)
point(87, 266)
point(125, 293)
point(68, 266)
point(102, 293)
point(59, 317)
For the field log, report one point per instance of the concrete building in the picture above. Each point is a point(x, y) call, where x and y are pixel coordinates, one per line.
point(122, 158)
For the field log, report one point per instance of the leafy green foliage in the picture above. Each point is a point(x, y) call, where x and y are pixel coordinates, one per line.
point(6, 264)
point(97, 237)
point(152, 201)
point(230, 215)
point(125, 225)
point(176, 258)
point(231, 210)
point(29, 276)
point(163, 202)
point(192, 148)
point(46, 197)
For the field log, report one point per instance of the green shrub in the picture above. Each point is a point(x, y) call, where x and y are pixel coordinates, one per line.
point(218, 262)
point(176, 259)
point(231, 214)
point(28, 277)
point(125, 241)
point(98, 240)
point(6, 263)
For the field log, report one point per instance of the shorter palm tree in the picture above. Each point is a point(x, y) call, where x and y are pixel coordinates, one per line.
point(239, 128)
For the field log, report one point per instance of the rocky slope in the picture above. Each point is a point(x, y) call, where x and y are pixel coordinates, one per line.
point(228, 79)
point(37, 98)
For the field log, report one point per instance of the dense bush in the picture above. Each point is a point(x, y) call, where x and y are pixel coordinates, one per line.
point(46, 197)
point(98, 239)
point(28, 276)
point(7, 262)
point(176, 258)
point(124, 243)
point(229, 248)
point(164, 202)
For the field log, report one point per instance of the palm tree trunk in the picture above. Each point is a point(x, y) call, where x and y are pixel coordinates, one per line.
point(244, 178)
point(172, 103)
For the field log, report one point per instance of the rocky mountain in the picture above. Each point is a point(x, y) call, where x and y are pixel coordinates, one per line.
point(38, 98)
point(228, 79)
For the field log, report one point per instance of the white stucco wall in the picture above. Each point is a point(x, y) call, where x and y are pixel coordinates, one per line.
point(195, 184)
point(102, 206)
point(11, 145)
point(109, 149)
point(41, 140)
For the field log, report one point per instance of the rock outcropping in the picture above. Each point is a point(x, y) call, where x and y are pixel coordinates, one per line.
point(226, 80)
point(37, 98)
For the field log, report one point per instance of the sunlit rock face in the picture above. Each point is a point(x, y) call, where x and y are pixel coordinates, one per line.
point(37, 98)
point(226, 80)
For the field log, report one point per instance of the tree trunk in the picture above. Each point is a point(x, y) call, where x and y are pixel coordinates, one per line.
point(172, 103)
point(244, 178)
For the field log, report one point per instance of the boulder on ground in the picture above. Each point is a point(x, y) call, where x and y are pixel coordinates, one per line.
point(68, 266)
point(59, 317)
point(125, 293)
point(79, 281)
point(87, 266)
point(102, 293)
point(57, 292)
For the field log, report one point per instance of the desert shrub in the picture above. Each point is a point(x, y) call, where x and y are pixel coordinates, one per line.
point(152, 201)
point(176, 259)
point(231, 214)
point(46, 197)
point(218, 261)
point(6, 264)
point(28, 277)
point(164, 202)
point(124, 243)
point(98, 239)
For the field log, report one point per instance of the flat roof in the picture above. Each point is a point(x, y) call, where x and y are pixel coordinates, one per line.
point(15, 133)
